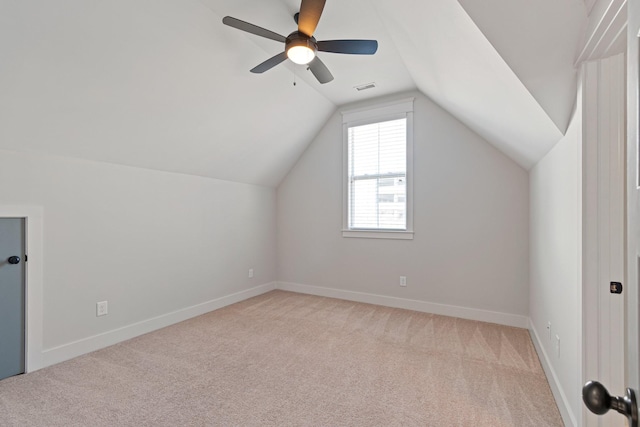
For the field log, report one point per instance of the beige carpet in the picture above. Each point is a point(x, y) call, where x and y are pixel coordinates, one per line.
point(285, 359)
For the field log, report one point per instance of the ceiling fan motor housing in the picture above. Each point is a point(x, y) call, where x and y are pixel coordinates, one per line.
point(300, 39)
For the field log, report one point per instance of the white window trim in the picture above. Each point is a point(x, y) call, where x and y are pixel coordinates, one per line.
point(367, 115)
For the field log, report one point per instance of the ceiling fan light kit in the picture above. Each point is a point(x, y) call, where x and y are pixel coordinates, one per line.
point(300, 46)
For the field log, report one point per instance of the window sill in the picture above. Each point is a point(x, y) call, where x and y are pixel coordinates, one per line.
point(378, 234)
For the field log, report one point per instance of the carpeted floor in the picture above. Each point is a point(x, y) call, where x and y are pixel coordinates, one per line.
point(285, 359)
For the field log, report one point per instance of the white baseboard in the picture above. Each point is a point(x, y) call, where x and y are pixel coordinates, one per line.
point(409, 304)
point(568, 417)
point(68, 351)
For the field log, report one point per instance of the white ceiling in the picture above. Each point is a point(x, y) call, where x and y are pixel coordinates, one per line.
point(163, 84)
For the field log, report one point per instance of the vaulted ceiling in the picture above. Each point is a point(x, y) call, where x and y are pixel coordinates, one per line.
point(163, 84)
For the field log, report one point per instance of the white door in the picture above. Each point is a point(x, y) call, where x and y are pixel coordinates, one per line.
point(633, 196)
point(595, 395)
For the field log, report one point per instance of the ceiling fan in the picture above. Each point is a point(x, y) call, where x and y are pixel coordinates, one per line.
point(300, 46)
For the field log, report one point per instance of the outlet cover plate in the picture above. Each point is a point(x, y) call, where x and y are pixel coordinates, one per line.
point(102, 308)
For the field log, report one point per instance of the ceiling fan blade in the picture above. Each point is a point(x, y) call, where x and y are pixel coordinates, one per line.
point(253, 29)
point(310, 12)
point(320, 70)
point(354, 47)
point(269, 63)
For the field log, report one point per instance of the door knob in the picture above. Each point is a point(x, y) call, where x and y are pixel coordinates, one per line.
point(599, 401)
point(14, 259)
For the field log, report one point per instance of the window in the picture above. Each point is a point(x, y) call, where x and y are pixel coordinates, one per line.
point(378, 148)
point(377, 171)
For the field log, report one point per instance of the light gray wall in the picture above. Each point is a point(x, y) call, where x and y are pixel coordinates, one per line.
point(149, 242)
point(556, 246)
point(471, 222)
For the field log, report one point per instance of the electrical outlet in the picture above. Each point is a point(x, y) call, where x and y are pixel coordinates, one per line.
point(102, 308)
point(403, 280)
point(251, 273)
point(549, 330)
point(558, 345)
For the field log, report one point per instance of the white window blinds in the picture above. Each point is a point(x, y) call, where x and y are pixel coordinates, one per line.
point(377, 175)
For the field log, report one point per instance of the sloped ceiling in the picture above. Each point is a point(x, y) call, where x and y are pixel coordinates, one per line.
point(163, 84)
point(540, 44)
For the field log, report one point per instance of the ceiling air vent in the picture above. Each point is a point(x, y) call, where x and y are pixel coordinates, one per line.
point(365, 86)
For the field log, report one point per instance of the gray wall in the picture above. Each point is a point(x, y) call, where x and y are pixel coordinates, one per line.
point(149, 242)
point(556, 247)
point(471, 222)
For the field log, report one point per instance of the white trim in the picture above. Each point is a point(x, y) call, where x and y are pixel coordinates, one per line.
point(378, 234)
point(611, 25)
point(70, 350)
point(410, 175)
point(33, 216)
point(402, 108)
point(560, 396)
point(589, 305)
point(506, 319)
point(379, 110)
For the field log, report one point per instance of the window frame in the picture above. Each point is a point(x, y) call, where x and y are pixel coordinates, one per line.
point(362, 116)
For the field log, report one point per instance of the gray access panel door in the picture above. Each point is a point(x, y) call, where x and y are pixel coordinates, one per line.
point(12, 296)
